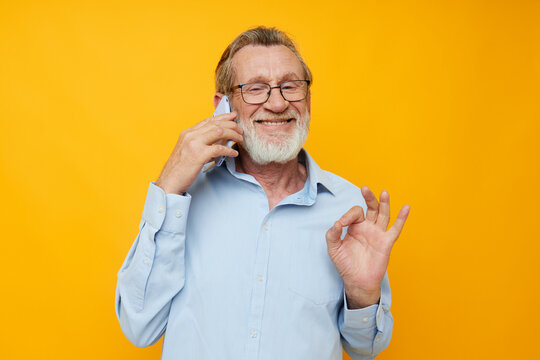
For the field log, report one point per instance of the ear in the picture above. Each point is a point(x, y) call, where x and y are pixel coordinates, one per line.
point(308, 101)
point(217, 99)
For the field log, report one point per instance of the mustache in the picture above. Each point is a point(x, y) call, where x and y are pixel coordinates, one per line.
point(286, 115)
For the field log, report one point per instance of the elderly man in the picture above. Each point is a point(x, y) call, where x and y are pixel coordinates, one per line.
point(266, 256)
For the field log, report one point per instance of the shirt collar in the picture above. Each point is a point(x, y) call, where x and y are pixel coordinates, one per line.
point(316, 176)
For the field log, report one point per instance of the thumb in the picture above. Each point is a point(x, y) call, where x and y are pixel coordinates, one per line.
point(333, 237)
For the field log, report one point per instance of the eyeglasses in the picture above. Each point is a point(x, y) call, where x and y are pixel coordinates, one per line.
point(259, 93)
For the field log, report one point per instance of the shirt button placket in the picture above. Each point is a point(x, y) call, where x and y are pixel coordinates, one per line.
point(258, 290)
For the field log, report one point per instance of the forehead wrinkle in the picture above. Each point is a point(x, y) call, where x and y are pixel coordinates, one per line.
point(266, 64)
point(285, 77)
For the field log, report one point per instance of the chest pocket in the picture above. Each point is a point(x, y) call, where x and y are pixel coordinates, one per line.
point(313, 275)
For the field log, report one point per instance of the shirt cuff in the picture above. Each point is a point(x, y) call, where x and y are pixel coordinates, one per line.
point(367, 317)
point(167, 212)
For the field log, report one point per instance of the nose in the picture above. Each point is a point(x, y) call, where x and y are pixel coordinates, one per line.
point(276, 103)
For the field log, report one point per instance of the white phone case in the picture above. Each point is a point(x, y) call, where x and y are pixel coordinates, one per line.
point(222, 108)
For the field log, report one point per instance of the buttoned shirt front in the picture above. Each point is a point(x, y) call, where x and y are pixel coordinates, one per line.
point(224, 277)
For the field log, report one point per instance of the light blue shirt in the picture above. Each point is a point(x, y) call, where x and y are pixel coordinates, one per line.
point(225, 278)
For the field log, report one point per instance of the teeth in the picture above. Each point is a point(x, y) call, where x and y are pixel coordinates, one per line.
point(272, 122)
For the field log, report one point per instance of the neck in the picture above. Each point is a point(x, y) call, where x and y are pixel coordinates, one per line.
point(277, 180)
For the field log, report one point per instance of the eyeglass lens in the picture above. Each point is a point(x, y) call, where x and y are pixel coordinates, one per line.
point(258, 93)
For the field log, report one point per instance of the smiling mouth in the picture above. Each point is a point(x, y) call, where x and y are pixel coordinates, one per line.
point(274, 122)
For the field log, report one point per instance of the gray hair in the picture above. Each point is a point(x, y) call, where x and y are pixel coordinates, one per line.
point(260, 35)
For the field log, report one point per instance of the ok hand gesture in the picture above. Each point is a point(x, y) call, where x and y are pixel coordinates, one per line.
point(362, 256)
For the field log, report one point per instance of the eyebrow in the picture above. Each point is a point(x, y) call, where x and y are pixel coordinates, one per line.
point(285, 77)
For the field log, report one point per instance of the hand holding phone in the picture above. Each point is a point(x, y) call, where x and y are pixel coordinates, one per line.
point(222, 108)
point(200, 147)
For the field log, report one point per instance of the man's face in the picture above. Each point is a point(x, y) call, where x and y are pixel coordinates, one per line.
point(276, 130)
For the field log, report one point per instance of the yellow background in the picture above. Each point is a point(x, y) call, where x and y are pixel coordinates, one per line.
point(435, 101)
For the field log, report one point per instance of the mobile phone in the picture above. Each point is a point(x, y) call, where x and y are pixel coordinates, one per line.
point(223, 107)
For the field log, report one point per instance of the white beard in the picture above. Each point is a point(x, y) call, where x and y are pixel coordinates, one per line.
point(280, 147)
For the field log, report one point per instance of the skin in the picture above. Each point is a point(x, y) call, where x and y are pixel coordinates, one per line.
point(272, 65)
point(362, 256)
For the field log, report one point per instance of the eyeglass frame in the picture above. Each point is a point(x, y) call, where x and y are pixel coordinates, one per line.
point(240, 86)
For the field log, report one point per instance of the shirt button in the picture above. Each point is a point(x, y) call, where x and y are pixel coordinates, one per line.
point(365, 319)
point(253, 334)
point(146, 261)
point(260, 278)
point(161, 209)
point(378, 338)
point(266, 227)
point(178, 213)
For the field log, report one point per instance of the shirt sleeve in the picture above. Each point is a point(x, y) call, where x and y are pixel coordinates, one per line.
point(153, 272)
point(366, 332)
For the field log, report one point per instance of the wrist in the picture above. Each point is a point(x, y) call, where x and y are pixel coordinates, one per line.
point(360, 298)
point(168, 189)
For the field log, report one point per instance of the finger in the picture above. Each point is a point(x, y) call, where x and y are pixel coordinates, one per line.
point(383, 218)
point(354, 215)
point(372, 204)
point(395, 230)
point(229, 117)
point(202, 123)
point(221, 150)
point(333, 236)
point(216, 133)
point(227, 124)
